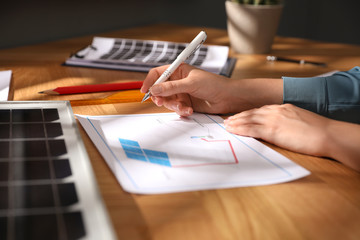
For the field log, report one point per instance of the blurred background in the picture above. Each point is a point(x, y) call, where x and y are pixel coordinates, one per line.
point(36, 21)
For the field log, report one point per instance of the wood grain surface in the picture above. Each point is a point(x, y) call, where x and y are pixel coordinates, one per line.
point(324, 205)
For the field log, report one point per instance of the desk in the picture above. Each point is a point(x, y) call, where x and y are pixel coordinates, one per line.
point(324, 205)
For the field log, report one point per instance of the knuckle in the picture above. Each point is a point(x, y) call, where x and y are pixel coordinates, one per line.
point(288, 106)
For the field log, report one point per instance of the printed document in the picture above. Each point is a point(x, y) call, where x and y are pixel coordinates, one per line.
point(164, 153)
point(142, 55)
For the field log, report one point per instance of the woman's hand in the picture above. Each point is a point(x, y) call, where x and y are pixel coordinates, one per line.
point(301, 131)
point(189, 89)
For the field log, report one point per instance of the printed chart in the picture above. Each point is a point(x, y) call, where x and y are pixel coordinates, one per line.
point(191, 135)
point(151, 52)
point(142, 55)
point(160, 153)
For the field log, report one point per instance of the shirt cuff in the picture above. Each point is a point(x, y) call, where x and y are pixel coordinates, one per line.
point(307, 93)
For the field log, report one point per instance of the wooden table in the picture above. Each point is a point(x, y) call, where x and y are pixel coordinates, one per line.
point(324, 205)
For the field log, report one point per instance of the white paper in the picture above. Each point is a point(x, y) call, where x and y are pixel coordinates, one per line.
point(5, 77)
point(164, 153)
point(142, 55)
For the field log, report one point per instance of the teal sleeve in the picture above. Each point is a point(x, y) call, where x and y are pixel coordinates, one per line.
point(336, 96)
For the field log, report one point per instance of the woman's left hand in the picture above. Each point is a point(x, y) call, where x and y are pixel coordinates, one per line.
point(284, 125)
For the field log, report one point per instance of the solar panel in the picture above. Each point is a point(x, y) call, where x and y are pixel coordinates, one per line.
point(47, 186)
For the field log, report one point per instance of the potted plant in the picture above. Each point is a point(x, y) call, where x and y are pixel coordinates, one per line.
point(252, 24)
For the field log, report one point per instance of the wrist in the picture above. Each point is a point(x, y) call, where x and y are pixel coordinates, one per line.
point(253, 93)
point(342, 143)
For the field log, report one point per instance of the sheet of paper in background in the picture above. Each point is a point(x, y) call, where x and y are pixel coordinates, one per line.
point(164, 153)
point(142, 55)
point(5, 77)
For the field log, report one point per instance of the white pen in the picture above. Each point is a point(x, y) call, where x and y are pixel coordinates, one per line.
point(185, 54)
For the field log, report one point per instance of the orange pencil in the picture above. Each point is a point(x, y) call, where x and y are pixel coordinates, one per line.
point(94, 88)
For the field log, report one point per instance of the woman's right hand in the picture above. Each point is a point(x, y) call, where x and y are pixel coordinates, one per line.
point(189, 89)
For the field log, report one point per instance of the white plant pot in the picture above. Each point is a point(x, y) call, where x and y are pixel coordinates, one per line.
point(252, 29)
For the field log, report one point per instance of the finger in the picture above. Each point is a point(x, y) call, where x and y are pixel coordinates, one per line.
point(159, 101)
point(242, 114)
point(248, 117)
point(247, 130)
point(173, 87)
point(180, 108)
point(151, 77)
point(264, 109)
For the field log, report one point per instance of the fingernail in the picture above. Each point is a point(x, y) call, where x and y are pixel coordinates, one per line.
point(156, 89)
point(227, 128)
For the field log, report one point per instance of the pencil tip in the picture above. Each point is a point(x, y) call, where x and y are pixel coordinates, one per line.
point(41, 92)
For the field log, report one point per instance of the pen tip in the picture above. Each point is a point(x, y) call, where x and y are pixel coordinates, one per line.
point(144, 99)
point(41, 92)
